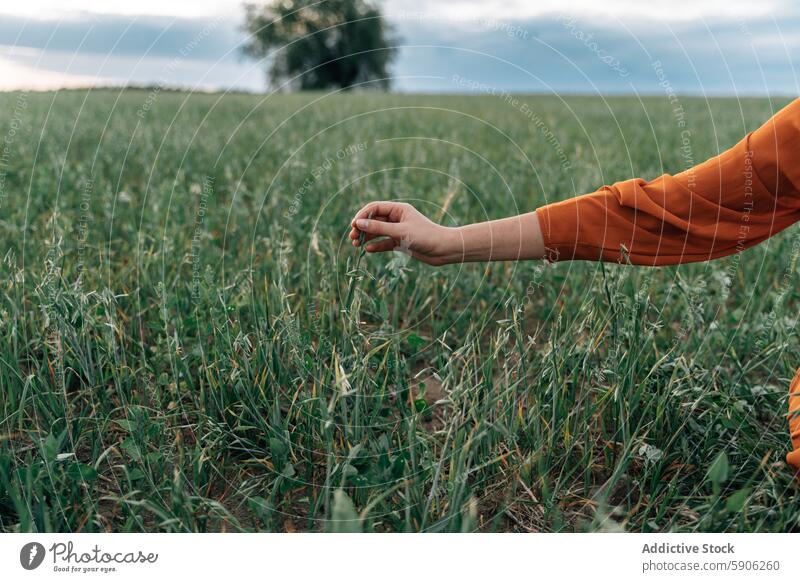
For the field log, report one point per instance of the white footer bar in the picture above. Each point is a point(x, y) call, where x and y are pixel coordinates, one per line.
point(401, 557)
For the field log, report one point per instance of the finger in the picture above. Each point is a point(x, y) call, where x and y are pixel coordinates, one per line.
point(391, 210)
point(381, 246)
point(353, 223)
point(355, 234)
point(378, 227)
point(367, 237)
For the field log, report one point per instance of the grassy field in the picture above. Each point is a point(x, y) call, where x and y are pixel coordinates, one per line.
point(190, 344)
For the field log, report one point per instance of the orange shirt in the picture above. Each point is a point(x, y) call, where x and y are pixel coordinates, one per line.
point(722, 206)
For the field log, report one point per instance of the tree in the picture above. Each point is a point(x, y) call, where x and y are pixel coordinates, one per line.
point(327, 44)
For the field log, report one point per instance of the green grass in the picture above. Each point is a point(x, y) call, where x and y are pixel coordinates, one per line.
point(190, 344)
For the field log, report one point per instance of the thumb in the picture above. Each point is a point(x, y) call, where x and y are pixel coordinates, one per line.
point(380, 228)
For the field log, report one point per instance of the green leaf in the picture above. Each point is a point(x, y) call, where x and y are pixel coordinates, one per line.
point(719, 469)
point(129, 446)
point(421, 388)
point(278, 448)
point(261, 507)
point(81, 472)
point(415, 341)
point(735, 502)
point(153, 457)
point(344, 518)
point(135, 474)
point(51, 446)
point(287, 481)
point(126, 425)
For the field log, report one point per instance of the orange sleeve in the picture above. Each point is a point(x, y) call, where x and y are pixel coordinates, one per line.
point(793, 456)
point(722, 206)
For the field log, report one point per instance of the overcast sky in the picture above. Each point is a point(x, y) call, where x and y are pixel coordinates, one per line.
point(619, 46)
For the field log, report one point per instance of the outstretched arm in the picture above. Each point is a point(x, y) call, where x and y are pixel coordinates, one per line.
point(722, 206)
point(513, 238)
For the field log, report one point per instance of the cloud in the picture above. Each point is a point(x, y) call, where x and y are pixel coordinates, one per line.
point(113, 49)
point(574, 53)
point(663, 10)
point(71, 9)
point(597, 10)
point(124, 35)
point(594, 47)
point(14, 76)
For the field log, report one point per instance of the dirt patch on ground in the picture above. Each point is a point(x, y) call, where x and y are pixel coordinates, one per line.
point(431, 390)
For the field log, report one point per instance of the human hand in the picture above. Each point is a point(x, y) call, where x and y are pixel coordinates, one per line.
point(405, 229)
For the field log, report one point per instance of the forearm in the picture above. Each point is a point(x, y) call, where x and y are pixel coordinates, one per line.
point(507, 239)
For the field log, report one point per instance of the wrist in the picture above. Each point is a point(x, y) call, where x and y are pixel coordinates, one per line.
point(459, 245)
point(449, 246)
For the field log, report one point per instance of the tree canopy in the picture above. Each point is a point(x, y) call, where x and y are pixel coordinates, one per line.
point(328, 44)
